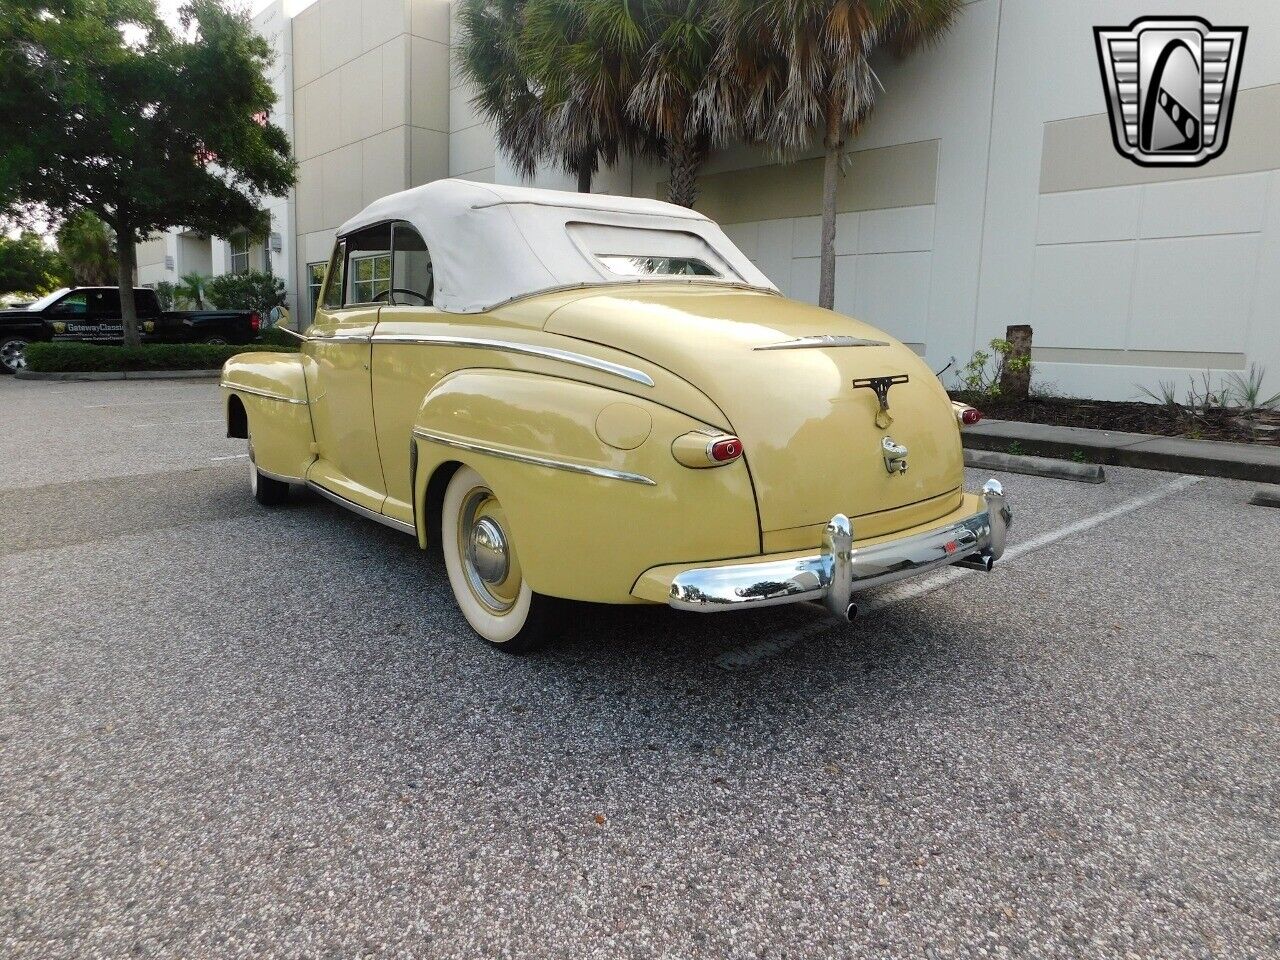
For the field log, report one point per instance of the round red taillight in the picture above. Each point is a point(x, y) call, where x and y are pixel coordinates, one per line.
point(970, 416)
point(722, 451)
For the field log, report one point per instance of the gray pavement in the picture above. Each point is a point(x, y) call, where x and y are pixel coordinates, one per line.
point(237, 733)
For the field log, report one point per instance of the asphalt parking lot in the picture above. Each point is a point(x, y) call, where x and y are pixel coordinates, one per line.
point(238, 733)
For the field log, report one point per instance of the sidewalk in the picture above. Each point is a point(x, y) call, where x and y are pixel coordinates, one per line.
point(1209, 458)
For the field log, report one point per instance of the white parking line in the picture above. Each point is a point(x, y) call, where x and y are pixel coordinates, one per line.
point(143, 403)
point(234, 456)
point(743, 657)
point(172, 423)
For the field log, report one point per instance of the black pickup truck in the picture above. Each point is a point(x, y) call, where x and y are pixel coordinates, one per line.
point(92, 314)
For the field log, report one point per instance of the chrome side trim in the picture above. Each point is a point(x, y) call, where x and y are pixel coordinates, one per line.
point(527, 349)
point(365, 512)
point(338, 337)
point(825, 340)
point(536, 461)
point(839, 569)
point(277, 476)
point(259, 393)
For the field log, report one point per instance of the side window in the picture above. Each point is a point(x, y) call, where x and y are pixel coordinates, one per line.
point(105, 304)
point(369, 265)
point(411, 274)
point(72, 305)
point(333, 277)
point(315, 281)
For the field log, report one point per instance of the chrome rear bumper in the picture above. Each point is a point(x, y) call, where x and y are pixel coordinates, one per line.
point(838, 570)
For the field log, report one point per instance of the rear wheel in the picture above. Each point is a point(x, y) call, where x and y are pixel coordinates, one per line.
point(13, 355)
point(266, 490)
point(216, 341)
point(484, 570)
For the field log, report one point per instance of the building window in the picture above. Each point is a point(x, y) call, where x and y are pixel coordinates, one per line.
point(240, 253)
point(370, 277)
point(315, 280)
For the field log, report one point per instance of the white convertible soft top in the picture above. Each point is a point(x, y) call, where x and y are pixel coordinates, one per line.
point(491, 243)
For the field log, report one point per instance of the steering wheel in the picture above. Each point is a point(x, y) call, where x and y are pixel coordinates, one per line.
point(387, 294)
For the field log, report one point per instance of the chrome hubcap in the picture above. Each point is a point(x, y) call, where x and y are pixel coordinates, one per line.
point(487, 552)
point(489, 563)
point(13, 354)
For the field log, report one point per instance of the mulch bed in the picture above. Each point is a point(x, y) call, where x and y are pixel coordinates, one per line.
point(1129, 417)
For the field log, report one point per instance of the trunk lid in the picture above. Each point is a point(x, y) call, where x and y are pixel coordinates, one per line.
point(810, 437)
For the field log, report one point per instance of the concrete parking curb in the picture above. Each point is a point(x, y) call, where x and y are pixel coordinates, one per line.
point(119, 375)
point(1266, 497)
point(1035, 466)
point(1208, 458)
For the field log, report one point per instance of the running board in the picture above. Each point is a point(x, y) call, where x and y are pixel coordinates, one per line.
point(365, 512)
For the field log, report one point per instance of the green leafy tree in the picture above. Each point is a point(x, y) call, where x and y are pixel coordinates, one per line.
point(251, 290)
point(793, 70)
point(191, 289)
point(105, 108)
point(28, 265)
point(89, 247)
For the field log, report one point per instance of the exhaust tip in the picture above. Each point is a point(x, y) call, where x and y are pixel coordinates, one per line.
point(850, 612)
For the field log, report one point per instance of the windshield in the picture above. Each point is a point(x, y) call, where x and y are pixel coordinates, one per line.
point(629, 266)
point(46, 300)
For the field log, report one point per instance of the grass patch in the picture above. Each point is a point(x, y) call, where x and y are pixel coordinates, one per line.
point(70, 357)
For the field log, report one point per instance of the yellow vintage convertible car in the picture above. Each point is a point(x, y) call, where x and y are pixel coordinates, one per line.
point(600, 398)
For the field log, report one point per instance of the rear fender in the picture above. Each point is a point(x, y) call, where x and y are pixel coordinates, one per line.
point(265, 396)
point(587, 516)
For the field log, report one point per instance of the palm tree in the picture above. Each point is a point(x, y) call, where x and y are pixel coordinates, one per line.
point(88, 246)
point(681, 39)
point(489, 58)
point(191, 289)
point(790, 69)
point(581, 57)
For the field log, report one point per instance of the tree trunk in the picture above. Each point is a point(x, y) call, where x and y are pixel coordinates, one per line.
point(126, 255)
point(683, 161)
point(1015, 376)
point(830, 176)
point(584, 176)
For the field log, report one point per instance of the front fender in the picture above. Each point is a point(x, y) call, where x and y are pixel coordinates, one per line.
point(587, 478)
point(265, 396)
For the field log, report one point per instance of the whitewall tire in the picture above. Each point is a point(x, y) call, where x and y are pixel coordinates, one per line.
point(484, 570)
point(266, 490)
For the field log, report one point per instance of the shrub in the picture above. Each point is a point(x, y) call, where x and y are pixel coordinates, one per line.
point(65, 357)
point(254, 290)
point(274, 338)
point(981, 376)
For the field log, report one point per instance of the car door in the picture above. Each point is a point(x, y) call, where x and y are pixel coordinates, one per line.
point(69, 317)
point(104, 313)
point(336, 360)
point(399, 378)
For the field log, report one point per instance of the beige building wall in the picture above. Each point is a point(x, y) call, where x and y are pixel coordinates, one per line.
point(985, 191)
point(371, 111)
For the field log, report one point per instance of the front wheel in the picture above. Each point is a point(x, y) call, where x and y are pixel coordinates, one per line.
point(484, 570)
point(216, 341)
point(13, 355)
